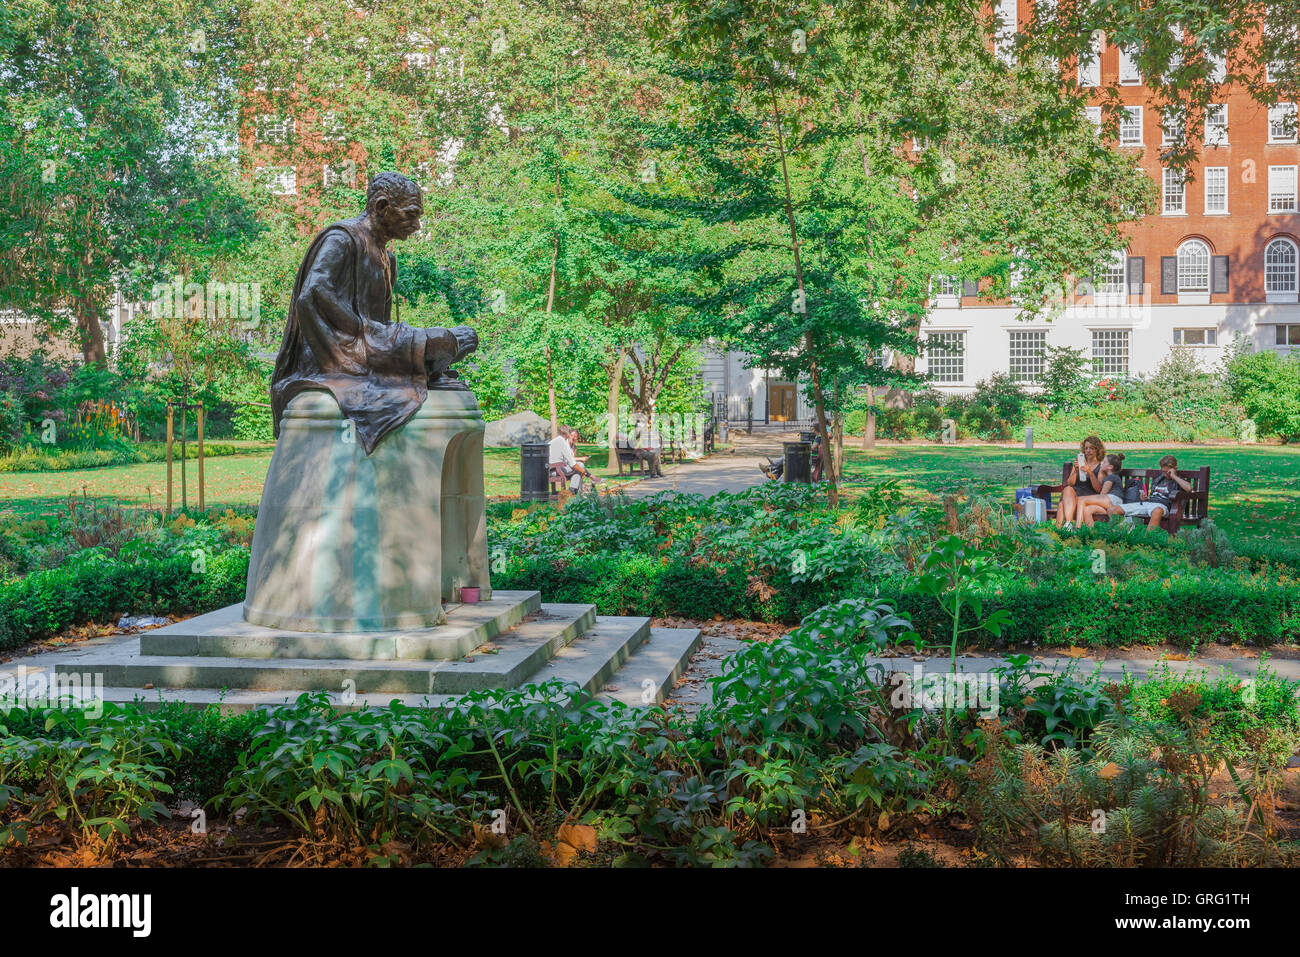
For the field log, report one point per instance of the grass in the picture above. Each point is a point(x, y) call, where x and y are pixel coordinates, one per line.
point(228, 480)
point(1254, 491)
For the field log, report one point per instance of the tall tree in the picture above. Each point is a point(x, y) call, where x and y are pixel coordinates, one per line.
point(106, 123)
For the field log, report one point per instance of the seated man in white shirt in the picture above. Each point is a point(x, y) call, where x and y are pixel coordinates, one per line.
point(573, 467)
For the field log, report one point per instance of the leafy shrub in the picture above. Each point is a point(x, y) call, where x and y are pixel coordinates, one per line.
point(1243, 716)
point(1186, 397)
point(44, 458)
point(1268, 387)
point(94, 777)
point(1003, 396)
point(1066, 373)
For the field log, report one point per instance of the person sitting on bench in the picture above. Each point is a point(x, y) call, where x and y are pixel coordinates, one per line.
point(573, 467)
point(1155, 504)
point(1110, 500)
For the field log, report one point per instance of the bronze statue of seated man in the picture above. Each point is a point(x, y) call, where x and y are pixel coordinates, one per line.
point(341, 335)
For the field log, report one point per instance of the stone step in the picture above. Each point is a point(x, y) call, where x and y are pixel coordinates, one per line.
point(225, 634)
point(243, 700)
point(512, 659)
point(619, 659)
point(593, 661)
point(650, 674)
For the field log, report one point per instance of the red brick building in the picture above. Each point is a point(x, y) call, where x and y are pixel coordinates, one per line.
point(1219, 258)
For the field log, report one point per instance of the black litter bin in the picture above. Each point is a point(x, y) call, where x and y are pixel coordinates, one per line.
point(798, 462)
point(535, 466)
point(809, 437)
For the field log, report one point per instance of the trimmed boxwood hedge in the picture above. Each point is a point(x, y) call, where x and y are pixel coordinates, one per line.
point(1215, 605)
point(93, 586)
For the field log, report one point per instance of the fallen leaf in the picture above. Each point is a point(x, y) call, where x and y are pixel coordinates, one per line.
point(581, 836)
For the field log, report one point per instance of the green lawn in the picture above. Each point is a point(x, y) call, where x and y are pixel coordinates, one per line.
point(1254, 490)
point(229, 480)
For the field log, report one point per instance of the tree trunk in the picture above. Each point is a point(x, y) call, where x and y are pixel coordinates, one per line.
point(838, 448)
point(91, 333)
point(819, 398)
point(615, 386)
point(550, 395)
point(550, 303)
point(869, 432)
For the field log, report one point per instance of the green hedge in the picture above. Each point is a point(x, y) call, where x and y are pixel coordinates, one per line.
point(92, 586)
point(62, 460)
point(636, 584)
point(1215, 605)
point(1186, 612)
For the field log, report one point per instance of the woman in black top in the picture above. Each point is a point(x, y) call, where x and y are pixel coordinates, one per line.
point(1084, 480)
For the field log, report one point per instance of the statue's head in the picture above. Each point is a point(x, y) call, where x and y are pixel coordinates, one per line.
point(395, 204)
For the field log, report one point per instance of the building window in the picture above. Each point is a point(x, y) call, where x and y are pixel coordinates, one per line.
point(946, 290)
point(1110, 351)
point(1288, 335)
point(1282, 123)
point(1090, 62)
point(331, 127)
point(1196, 337)
point(274, 129)
point(280, 180)
point(1005, 41)
point(1216, 189)
point(1175, 58)
point(1130, 127)
point(946, 354)
point(1281, 189)
point(1027, 350)
point(1109, 278)
point(1129, 74)
point(1216, 124)
point(339, 174)
point(1171, 129)
point(1193, 267)
point(1093, 113)
point(1218, 67)
point(1280, 271)
point(1175, 193)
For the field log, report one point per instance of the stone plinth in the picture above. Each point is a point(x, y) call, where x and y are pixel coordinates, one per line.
point(349, 542)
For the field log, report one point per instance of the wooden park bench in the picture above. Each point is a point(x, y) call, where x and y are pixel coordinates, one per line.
point(1188, 508)
point(636, 460)
point(556, 479)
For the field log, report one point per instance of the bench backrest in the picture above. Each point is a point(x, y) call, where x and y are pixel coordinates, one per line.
point(1196, 504)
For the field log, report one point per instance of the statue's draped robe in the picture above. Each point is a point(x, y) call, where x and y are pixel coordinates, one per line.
point(340, 337)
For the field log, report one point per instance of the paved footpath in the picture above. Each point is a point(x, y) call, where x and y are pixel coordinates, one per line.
point(717, 473)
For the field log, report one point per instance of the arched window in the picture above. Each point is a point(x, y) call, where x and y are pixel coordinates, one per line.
point(1193, 266)
point(1280, 269)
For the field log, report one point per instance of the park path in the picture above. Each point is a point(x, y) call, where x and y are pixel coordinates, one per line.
point(717, 473)
point(731, 471)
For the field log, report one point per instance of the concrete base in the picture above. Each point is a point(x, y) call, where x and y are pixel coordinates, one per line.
point(349, 542)
point(510, 641)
